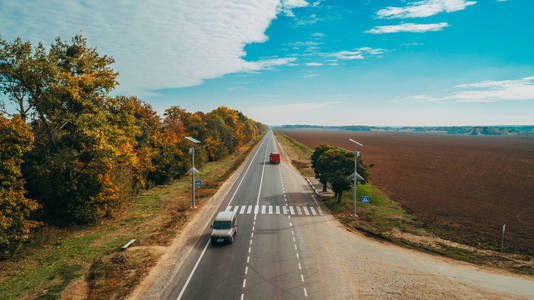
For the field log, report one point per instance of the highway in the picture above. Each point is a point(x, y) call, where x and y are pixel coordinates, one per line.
point(288, 248)
point(265, 261)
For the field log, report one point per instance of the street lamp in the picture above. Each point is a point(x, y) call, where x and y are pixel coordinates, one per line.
point(193, 170)
point(355, 175)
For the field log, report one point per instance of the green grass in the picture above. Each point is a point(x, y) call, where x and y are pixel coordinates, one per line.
point(58, 255)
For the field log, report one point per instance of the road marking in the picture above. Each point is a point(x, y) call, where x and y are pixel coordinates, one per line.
point(291, 210)
point(243, 176)
point(277, 210)
point(256, 208)
point(298, 210)
point(319, 210)
point(294, 241)
point(249, 209)
point(313, 211)
point(301, 277)
point(284, 208)
point(251, 234)
point(193, 271)
point(248, 259)
point(244, 282)
point(270, 209)
point(305, 293)
point(242, 296)
point(290, 224)
point(297, 256)
point(229, 208)
point(295, 247)
point(263, 209)
point(250, 241)
point(306, 211)
point(242, 211)
point(246, 270)
point(300, 266)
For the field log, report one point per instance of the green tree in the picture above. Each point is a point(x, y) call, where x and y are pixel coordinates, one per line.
point(336, 165)
point(319, 150)
point(15, 209)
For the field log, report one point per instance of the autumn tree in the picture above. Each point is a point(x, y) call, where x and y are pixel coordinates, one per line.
point(15, 208)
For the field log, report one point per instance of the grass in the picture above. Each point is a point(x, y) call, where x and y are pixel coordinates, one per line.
point(385, 219)
point(57, 256)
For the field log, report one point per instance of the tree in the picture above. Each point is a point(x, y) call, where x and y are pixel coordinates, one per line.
point(336, 165)
point(15, 209)
point(319, 150)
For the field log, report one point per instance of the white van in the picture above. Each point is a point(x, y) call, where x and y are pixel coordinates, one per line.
point(224, 228)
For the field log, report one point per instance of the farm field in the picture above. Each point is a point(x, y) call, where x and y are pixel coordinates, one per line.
point(463, 188)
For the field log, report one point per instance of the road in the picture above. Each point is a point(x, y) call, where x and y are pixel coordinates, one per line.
point(288, 248)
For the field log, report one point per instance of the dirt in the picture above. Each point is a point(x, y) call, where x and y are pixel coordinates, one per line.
point(463, 188)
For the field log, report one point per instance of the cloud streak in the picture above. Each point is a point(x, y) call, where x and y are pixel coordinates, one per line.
point(408, 27)
point(356, 53)
point(487, 91)
point(424, 8)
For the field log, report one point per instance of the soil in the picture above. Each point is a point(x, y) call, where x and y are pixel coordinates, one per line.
point(463, 188)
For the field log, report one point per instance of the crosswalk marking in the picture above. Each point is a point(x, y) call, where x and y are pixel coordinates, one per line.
point(306, 211)
point(319, 210)
point(291, 210)
point(298, 210)
point(313, 211)
point(249, 209)
point(285, 209)
point(277, 210)
point(242, 209)
point(229, 208)
point(263, 209)
point(270, 209)
point(256, 209)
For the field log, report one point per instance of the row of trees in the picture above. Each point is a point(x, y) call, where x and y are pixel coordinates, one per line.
point(333, 165)
point(71, 153)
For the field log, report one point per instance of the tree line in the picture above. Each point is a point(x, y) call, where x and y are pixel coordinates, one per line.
point(72, 153)
point(333, 165)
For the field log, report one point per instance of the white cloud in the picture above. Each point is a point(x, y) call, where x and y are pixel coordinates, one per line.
point(408, 27)
point(424, 8)
point(488, 91)
point(314, 64)
point(356, 53)
point(288, 5)
point(157, 43)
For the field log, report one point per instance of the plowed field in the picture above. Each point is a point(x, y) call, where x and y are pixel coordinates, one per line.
point(463, 187)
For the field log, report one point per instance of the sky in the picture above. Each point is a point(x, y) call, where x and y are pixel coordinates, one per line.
point(342, 62)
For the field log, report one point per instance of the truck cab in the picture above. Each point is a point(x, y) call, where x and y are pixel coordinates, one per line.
point(274, 158)
point(224, 227)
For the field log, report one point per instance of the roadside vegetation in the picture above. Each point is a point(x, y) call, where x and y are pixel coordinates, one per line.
point(73, 158)
point(384, 218)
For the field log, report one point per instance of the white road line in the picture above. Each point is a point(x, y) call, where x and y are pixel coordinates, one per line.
point(284, 208)
point(298, 210)
point(261, 180)
point(294, 240)
point(256, 208)
point(242, 211)
point(270, 209)
point(277, 210)
point(251, 234)
point(297, 255)
point(300, 267)
point(246, 270)
point(291, 210)
point(301, 278)
point(305, 293)
point(248, 259)
point(250, 241)
point(290, 224)
point(319, 210)
point(229, 208)
point(313, 211)
point(249, 209)
point(244, 175)
point(263, 209)
point(243, 295)
point(295, 247)
point(193, 271)
point(244, 282)
point(306, 210)
point(236, 208)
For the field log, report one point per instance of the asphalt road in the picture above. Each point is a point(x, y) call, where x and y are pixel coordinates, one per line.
point(287, 248)
point(264, 262)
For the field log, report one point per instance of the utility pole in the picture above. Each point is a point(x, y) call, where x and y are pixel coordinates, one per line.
point(193, 170)
point(355, 176)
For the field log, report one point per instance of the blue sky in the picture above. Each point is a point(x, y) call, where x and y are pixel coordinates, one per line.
point(357, 62)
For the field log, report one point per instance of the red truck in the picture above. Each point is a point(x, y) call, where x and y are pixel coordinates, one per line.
point(274, 158)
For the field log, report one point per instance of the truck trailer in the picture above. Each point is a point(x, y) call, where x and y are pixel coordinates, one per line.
point(274, 158)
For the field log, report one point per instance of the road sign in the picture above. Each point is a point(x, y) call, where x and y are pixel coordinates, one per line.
point(198, 182)
point(365, 199)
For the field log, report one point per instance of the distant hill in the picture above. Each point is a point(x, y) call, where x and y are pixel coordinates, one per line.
point(527, 130)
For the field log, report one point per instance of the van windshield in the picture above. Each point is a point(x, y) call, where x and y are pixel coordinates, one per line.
point(222, 225)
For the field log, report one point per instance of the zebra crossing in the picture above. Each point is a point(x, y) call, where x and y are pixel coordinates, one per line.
point(276, 210)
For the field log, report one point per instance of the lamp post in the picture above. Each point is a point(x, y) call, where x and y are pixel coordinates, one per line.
point(193, 170)
point(355, 176)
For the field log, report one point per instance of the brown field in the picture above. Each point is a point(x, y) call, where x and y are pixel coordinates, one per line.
point(462, 187)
